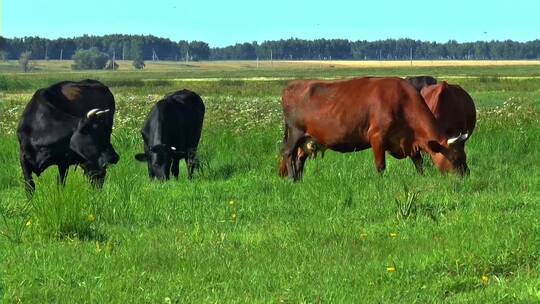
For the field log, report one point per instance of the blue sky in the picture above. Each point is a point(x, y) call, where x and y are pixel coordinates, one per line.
point(225, 22)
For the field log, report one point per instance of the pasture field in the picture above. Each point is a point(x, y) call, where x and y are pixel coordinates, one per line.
point(239, 233)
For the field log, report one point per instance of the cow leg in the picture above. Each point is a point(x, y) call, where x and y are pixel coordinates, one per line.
point(289, 152)
point(418, 162)
point(301, 158)
point(191, 162)
point(29, 184)
point(175, 170)
point(379, 150)
point(62, 174)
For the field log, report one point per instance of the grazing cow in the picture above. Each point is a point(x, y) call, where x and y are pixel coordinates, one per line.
point(455, 112)
point(386, 114)
point(418, 82)
point(172, 132)
point(68, 123)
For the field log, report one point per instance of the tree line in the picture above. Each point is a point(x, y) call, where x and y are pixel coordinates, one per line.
point(131, 47)
point(127, 47)
point(389, 49)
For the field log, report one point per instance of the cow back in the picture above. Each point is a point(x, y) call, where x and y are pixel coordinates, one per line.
point(342, 114)
point(419, 82)
point(77, 98)
point(453, 108)
point(176, 121)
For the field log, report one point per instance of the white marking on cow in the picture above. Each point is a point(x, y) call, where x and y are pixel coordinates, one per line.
point(457, 139)
point(92, 113)
point(102, 112)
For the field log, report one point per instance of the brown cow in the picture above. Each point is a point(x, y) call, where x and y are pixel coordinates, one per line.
point(386, 114)
point(455, 112)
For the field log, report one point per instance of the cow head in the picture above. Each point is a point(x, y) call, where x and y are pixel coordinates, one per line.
point(92, 141)
point(450, 156)
point(159, 159)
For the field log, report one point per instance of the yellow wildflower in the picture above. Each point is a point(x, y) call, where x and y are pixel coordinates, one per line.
point(29, 223)
point(91, 217)
point(391, 269)
point(231, 203)
point(393, 235)
point(485, 279)
point(234, 216)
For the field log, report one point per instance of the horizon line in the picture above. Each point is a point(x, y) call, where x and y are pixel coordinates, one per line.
point(268, 40)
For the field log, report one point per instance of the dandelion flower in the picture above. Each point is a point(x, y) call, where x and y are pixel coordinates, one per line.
point(485, 279)
point(234, 216)
point(29, 223)
point(231, 203)
point(393, 235)
point(91, 218)
point(391, 269)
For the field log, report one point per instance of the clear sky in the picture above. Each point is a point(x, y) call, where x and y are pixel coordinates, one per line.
point(225, 22)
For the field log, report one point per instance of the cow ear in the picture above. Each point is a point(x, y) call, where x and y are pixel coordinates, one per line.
point(435, 146)
point(141, 157)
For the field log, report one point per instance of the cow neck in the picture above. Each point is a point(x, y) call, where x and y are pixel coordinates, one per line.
point(57, 110)
point(159, 135)
point(431, 130)
point(436, 97)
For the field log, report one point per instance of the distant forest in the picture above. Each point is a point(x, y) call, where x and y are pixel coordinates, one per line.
point(125, 46)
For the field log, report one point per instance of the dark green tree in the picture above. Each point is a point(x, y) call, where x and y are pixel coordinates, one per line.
point(137, 54)
point(91, 59)
point(24, 61)
point(4, 56)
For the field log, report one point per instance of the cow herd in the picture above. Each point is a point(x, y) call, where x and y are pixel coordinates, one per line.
point(70, 123)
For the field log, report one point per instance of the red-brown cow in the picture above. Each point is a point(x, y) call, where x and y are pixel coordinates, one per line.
point(386, 114)
point(455, 112)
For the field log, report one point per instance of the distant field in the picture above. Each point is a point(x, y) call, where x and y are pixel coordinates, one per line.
point(239, 233)
point(65, 65)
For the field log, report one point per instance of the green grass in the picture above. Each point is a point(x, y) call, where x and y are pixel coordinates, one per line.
point(330, 238)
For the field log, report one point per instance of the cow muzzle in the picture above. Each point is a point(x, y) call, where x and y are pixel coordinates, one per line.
point(463, 170)
point(110, 158)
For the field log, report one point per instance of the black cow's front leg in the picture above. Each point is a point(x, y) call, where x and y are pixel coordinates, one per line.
point(175, 168)
point(29, 184)
point(191, 162)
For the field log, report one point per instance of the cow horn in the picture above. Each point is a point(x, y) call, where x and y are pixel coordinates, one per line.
point(457, 139)
point(102, 112)
point(91, 113)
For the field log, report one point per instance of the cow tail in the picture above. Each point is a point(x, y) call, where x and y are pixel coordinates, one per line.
point(282, 164)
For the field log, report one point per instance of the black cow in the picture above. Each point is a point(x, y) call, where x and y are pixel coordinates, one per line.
point(421, 81)
point(172, 132)
point(68, 123)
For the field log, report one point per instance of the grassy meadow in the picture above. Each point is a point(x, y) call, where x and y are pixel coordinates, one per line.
point(239, 233)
